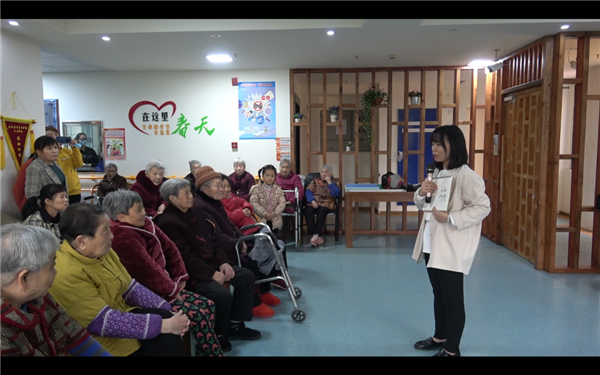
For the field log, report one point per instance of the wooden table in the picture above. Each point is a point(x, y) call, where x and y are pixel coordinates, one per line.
point(375, 196)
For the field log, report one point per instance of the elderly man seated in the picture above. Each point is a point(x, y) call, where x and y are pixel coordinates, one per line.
point(112, 181)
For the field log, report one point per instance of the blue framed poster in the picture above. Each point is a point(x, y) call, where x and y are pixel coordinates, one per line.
point(256, 106)
point(51, 113)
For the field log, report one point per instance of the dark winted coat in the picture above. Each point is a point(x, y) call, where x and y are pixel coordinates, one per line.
point(194, 237)
point(227, 233)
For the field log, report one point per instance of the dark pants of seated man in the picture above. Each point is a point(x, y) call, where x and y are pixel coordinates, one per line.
point(237, 307)
point(163, 345)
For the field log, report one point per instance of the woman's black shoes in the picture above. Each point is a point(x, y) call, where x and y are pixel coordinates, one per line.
point(429, 344)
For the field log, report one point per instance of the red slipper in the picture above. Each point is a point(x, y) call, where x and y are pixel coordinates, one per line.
point(269, 299)
point(313, 243)
point(320, 240)
point(263, 311)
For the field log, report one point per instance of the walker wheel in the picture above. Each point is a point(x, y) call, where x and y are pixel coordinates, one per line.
point(297, 292)
point(298, 315)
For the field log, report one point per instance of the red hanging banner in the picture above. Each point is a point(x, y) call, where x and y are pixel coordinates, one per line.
point(16, 136)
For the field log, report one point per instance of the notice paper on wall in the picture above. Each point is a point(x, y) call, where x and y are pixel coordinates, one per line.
point(283, 148)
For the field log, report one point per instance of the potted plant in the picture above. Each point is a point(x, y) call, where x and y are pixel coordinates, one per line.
point(333, 113)
point(373, 97)
point(414, 96)
point(298, 117)
point(348, 144)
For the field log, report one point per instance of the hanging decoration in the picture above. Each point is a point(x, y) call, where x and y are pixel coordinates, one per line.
point(16, 130)
point(2, 157)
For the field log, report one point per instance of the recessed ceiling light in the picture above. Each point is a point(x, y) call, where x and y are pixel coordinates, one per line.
point(215, 36)
point(13, 23)
point(219, 58)
point(330, 32)
point(105, 38)
point(564, 27)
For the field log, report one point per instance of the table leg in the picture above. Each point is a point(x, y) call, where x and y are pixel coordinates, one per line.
point(349, 227)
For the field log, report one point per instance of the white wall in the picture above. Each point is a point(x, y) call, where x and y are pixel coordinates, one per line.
point(21, 67)
point(108, 97)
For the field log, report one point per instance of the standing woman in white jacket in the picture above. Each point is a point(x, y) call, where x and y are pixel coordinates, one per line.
point(448, 240)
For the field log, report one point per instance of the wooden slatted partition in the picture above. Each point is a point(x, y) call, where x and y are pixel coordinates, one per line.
point(534, 77)
point(387, 148)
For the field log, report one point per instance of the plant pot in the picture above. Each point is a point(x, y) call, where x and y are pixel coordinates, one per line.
point(415, 100)
point(348, 148)
point(377, 101)
point(297, 119)
point(333, 117)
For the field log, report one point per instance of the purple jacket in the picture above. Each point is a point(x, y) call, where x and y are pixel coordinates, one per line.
point(290, 182)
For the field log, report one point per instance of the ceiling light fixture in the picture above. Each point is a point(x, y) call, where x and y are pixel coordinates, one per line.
point(330, 32)
point(564, 27)
point(219, 58)
point(13, 23)
point(105, 38)
point(215, 36)
point(480, 63)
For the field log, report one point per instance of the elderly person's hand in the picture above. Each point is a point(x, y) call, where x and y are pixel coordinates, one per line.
point(227, 271)
point(177, 325)
point(247, 212)
point(161, 208)
point(314, 204)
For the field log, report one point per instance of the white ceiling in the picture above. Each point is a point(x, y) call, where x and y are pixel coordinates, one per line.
point(72, 45)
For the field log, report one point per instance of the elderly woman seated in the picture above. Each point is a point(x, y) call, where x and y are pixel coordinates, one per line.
point(154, 261)
point(241, 181)
point(96, 290)
point(147, 185)
point(320, 201)
point(207, 264)
point(44, 210)
point(238, 210)
point(32, 323)
point(207, 204)
point(194, 165)
point(288, 180)
point(112, 181)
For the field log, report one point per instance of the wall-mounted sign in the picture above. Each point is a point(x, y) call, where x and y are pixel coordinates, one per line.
point(256, 105)
point(151, 119)
point(114, 144)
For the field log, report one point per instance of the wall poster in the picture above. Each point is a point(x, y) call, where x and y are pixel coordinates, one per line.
point(114, 144)
point(256, 105)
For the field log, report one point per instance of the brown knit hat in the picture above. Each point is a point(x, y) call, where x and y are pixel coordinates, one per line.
point(205, 174)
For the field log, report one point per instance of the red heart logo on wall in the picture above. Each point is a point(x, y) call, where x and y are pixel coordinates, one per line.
point(146, 102)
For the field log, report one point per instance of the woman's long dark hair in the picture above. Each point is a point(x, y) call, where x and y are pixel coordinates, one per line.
point(456, 141)
point(49, 191)
point(262, 171)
